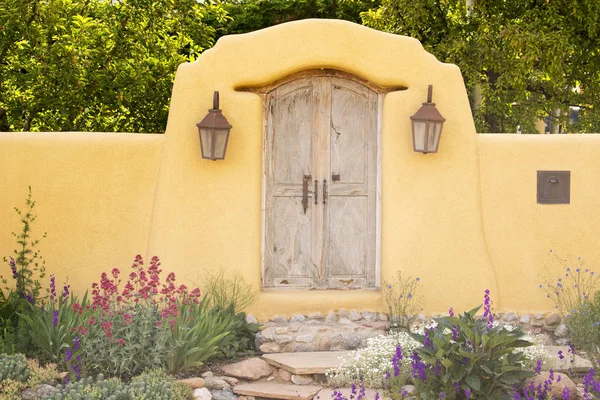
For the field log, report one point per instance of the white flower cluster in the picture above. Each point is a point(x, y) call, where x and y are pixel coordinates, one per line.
point(370, 364)
point(535, 352)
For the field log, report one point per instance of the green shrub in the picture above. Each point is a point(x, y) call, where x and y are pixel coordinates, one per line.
point(242, 334)
point(226, 288)
point(152, 385)
point(583, 324)
point(13, 367)
point(574, 288)
point(27, 265)
point(576, 295)
point(38, 374)
point(402, 300)
point(22, 287)
point(88, 389)
point(181, 391)
point(230, 294)
point(467, 355)
point(196, 335)
point(11, 390)
point(54, 326)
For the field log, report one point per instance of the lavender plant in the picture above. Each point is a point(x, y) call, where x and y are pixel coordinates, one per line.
point(469, 357)
point(574, 288)
point(576, 295)
point(54, 325)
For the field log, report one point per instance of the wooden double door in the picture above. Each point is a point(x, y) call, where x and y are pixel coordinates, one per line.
point(320, 184)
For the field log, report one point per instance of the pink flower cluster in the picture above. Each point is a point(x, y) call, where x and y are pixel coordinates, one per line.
point(143, 287)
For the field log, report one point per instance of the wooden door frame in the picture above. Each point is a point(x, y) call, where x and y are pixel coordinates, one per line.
point(264, 91)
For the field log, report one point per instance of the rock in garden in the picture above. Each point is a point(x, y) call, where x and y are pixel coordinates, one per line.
point(331, 317)
point(285, 375)
point(409, 389)
point(270, 348)
point(215, 383)
point(279, 319)
point(556, 387)
point(297, 318)
point(382, 317)
point(510, 317)
point(344, 321)
point(282, 330)
point(225, 394)
point(194, 383)
point(251, 369)
point(305, 338)
point(342, 313)
point(39, 392)
point(301, 379)
point(231, 380)
point(325, 343)
point(354, 316)
point(352, 341)
point(207, 373)
point(305, 348)
point(251, 319)
point(561, 330)
point(553, 319)
point(369, 316)
point(283, 339)
point(294, 327)
point(525, 319)
point(315, 315)
point(202, 394)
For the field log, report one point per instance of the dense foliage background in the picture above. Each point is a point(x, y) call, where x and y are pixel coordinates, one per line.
point(108, 65)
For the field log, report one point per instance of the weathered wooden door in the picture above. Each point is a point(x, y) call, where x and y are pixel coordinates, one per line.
point(320, 184)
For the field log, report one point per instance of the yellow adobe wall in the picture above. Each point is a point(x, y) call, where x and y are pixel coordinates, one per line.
point(94, 194)
point(463, 220)
point(519, 232)
point(208, 214)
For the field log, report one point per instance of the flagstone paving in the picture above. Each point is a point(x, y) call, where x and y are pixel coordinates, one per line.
point(316, 362)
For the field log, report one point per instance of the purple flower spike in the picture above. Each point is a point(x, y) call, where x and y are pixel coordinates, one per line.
point(54, 318)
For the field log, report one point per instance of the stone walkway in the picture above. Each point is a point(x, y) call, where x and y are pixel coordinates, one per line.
point(300, 376)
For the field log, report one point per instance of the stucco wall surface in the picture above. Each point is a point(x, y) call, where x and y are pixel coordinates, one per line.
point(94, 194)
point(521, 233)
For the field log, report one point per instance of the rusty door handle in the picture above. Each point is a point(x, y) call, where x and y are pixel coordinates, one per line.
point(324, 191)
point(305, 192)
point(316, 193)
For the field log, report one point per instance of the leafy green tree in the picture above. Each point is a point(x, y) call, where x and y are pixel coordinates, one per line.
point(95, 65)
point(251, 15)
point(529, 58)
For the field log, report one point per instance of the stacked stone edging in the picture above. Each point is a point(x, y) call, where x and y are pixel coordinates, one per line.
point(349, 330)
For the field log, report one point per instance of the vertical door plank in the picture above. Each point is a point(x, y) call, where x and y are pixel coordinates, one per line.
point(353, 137)
point(288, 228)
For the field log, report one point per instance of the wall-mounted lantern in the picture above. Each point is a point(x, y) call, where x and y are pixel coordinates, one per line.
point(214, 132)
point(427, 126)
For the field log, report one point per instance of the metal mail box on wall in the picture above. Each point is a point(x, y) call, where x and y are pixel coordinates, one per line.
point(554, 187)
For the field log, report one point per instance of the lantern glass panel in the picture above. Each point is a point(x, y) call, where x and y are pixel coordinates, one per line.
point(220, 138)
point(206, 140)
point(419, 132)
point(434, 136)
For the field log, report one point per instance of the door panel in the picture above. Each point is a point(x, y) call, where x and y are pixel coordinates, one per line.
point(293, 121)
point(291, 242)
point(347, 237)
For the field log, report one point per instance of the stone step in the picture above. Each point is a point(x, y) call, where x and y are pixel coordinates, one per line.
point(277, 391)
point(576, 364)
point(314, 362)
